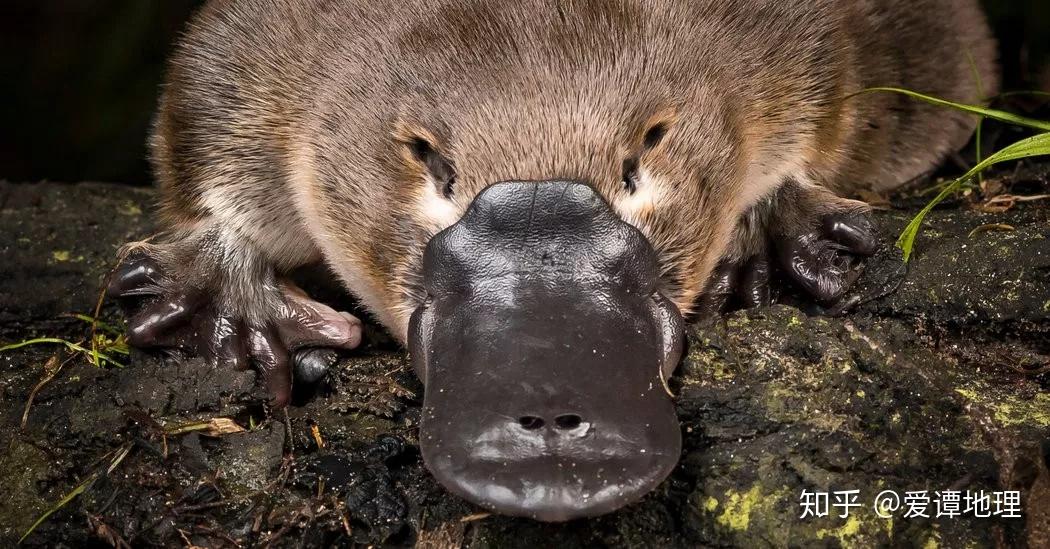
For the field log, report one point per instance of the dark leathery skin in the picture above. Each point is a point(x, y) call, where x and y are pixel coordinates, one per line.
point(815, 265)
point(819, 261)
point(753, 288)
point(188, 320)
point(854, 232)
point(544, 346)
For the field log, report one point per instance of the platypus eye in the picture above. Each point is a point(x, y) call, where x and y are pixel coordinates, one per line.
point(440, 168)
point(652, 138)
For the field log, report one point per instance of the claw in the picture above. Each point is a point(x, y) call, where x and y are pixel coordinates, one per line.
point(719, 289)
point(814, 266)
point(312, 364)
point(753, 289)
point(224, 338)
point(271, 359)
point(855, 232)
point(138, 275)
point(189, 322)
point(152, 326)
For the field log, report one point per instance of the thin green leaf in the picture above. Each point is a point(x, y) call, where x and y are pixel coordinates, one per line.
point(54, 340)
point(1002, 116)
point(1037, 145)
point(980, 121)
point(80, 489)
point(977, 148)
point(105, 326)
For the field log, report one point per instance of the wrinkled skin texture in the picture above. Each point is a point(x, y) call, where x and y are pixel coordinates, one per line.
point(545, 347)
point(811, 247)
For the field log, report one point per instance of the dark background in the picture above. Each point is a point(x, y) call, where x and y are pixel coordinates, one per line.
point(79, 79)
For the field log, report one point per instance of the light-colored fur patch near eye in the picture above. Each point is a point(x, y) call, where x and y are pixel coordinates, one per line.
point(637, 207)
point(438, 212)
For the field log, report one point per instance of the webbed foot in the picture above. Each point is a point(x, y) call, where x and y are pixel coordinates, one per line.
point(202, 319)
point(809, 235)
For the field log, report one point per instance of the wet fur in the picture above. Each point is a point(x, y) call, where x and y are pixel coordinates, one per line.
point(286, 127)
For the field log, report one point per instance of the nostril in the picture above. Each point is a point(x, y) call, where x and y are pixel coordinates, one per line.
point(568, 421)
point(530, 422)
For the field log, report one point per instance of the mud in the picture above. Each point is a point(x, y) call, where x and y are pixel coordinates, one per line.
point(942, 385)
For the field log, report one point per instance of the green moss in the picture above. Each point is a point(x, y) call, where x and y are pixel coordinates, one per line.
point(61, 256)
point(849, 529)
point(857, 532)
point(1009, 409)
point(934, 541)
point(129, 208)
point(1025, 412)
point(737, 321)
point(706, 361)
point(710, 504)
point(737, 514)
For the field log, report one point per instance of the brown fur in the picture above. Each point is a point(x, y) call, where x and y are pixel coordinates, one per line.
point(286, 126)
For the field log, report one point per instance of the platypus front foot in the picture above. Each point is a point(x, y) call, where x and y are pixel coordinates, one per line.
point(804, 234)
point(263, 322)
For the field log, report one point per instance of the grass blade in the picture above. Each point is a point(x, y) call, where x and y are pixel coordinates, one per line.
point(69, 344)
point(80, 489)
point(106, 327)
point(995, 114)
point(1037, 145)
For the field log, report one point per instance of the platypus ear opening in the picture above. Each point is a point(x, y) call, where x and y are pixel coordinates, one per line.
point(630, 174)
point(652, 137)
point(421, 148)
point(439, 168)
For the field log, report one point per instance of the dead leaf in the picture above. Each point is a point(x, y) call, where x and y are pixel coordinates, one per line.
point(214, 427)
point(991, 186)
point(316, 432)
point(990, 227)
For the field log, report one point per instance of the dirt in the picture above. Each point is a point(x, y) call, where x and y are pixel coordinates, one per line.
point(942, 385)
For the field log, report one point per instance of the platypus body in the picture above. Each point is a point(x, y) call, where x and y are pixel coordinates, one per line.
point(531, 195)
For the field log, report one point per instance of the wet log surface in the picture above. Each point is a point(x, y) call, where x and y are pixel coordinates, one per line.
point(942, 385)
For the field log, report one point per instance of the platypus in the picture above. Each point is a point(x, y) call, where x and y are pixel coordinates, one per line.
point(531, 196)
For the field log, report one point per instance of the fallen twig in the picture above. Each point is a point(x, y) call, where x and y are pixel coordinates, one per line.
point(51, 369)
